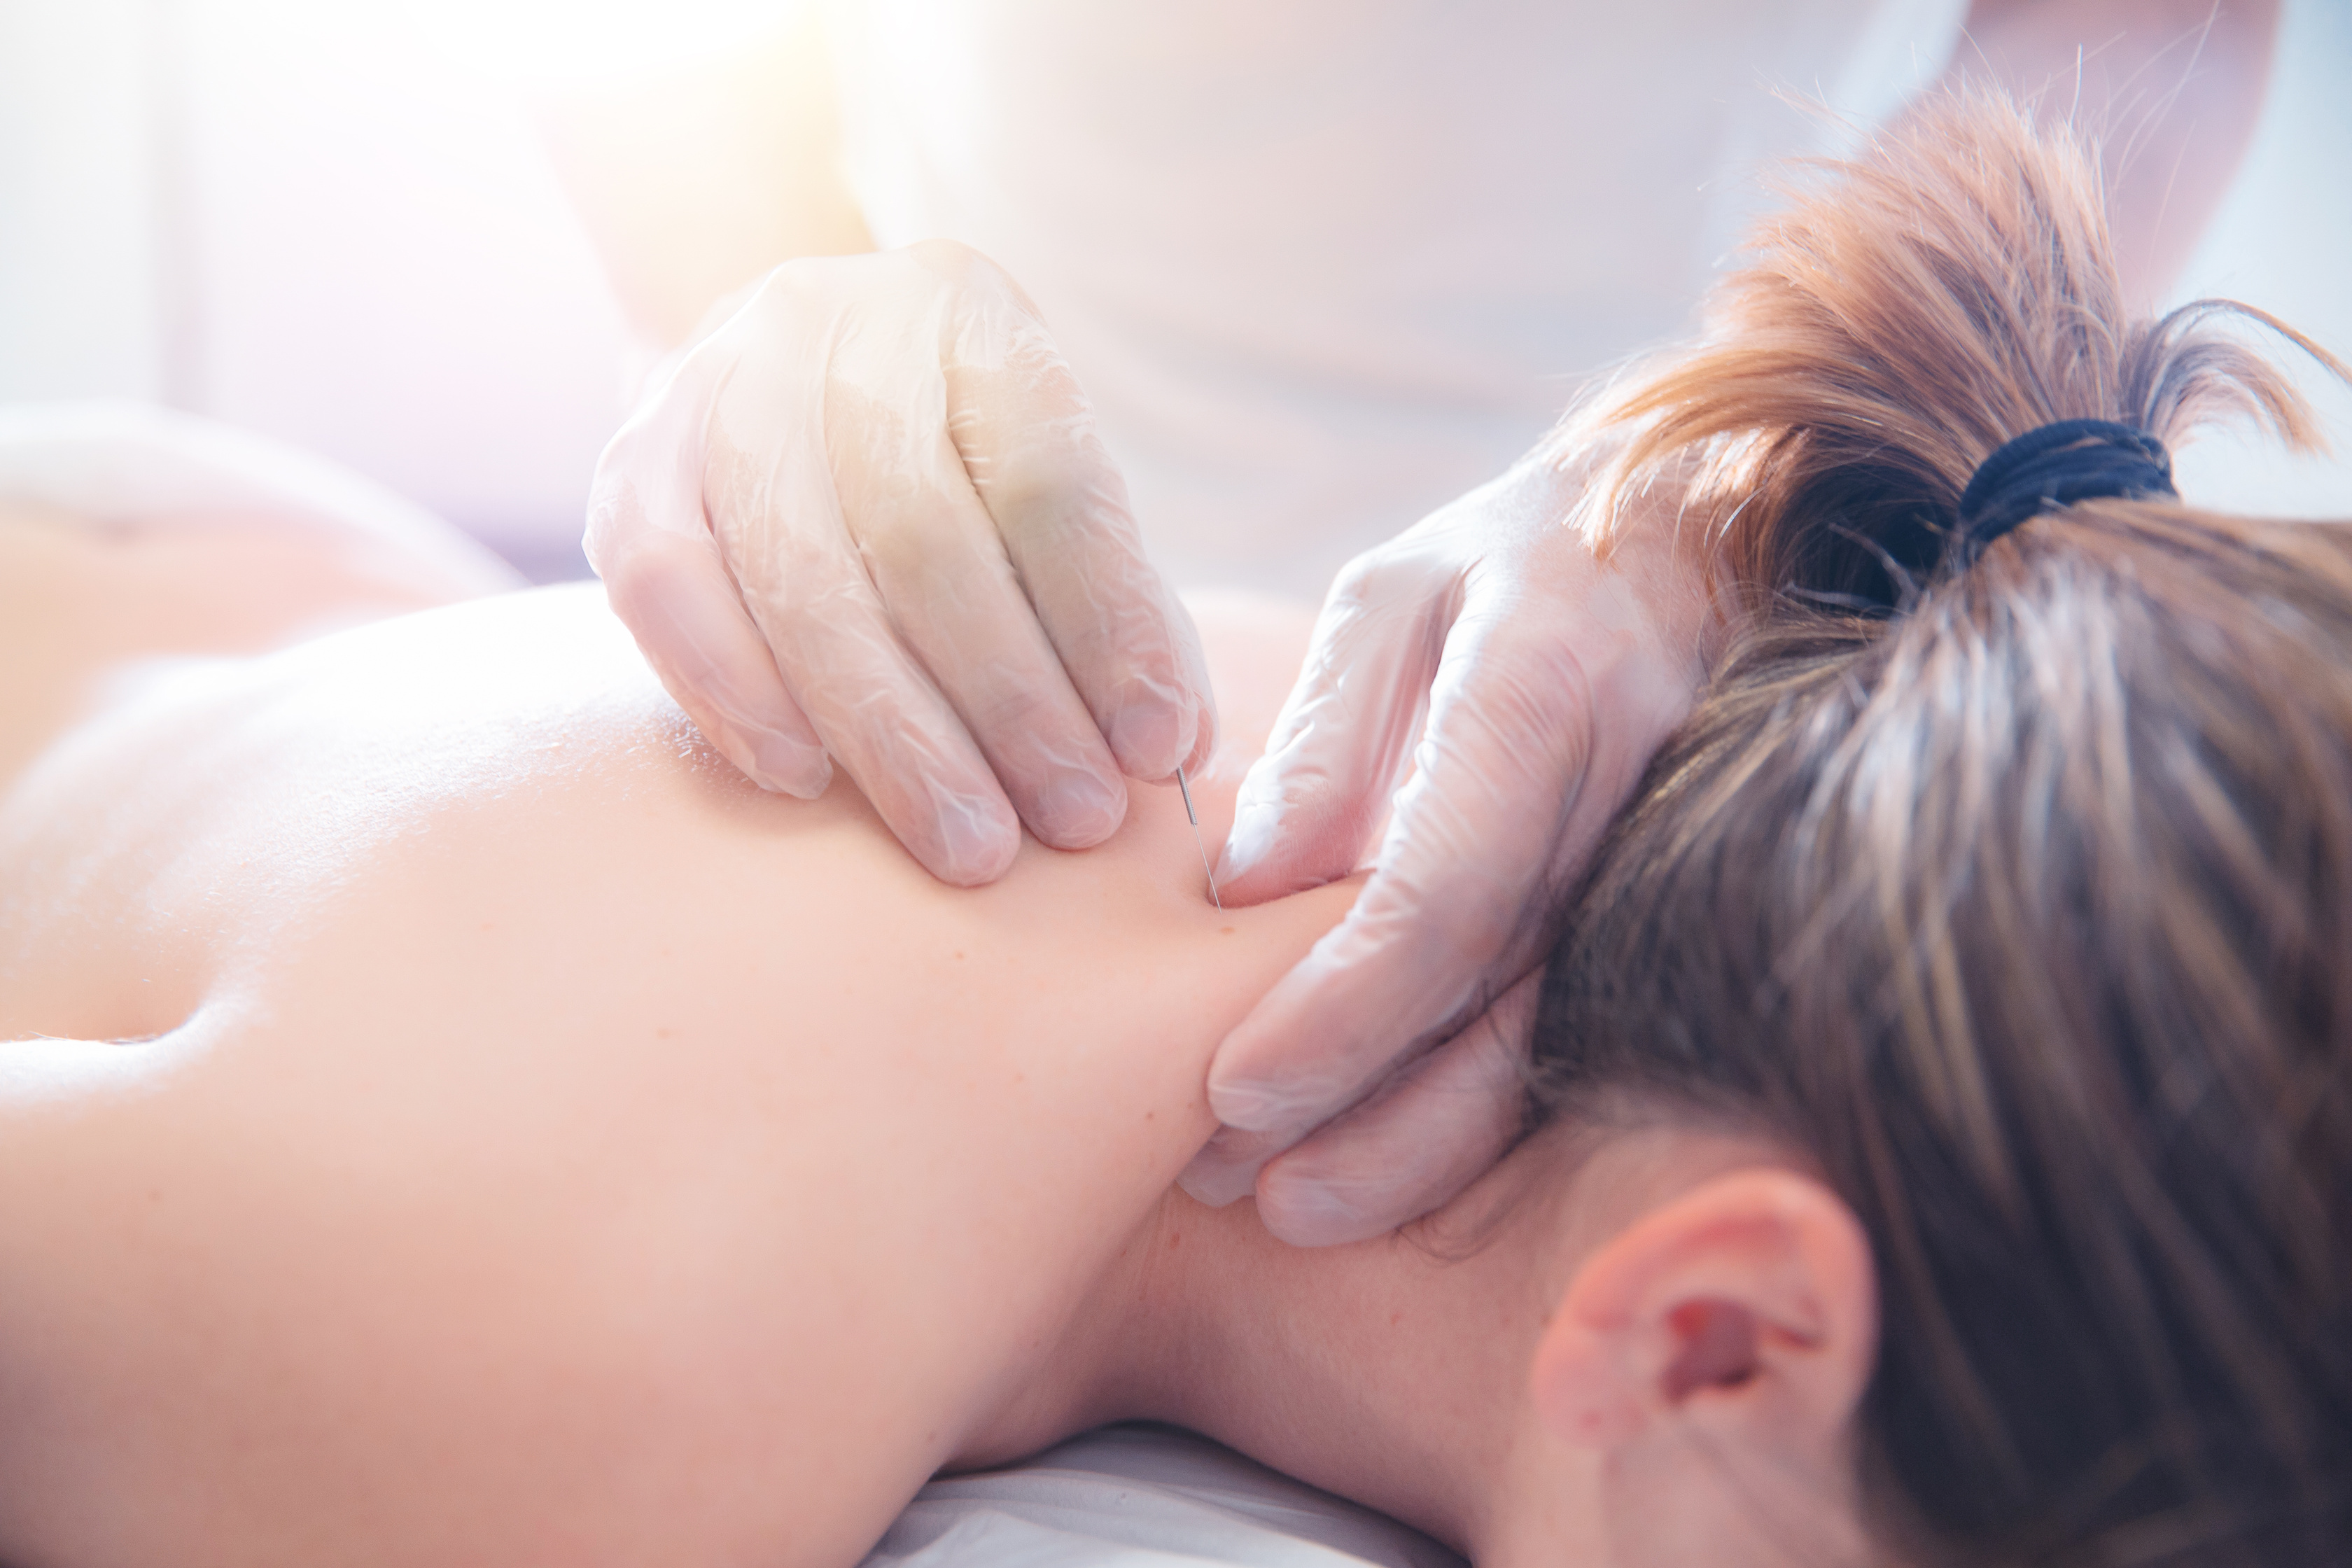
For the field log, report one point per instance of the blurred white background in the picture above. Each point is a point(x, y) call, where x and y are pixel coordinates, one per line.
point(335, 224)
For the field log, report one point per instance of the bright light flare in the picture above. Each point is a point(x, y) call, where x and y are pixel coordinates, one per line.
point(565, 42)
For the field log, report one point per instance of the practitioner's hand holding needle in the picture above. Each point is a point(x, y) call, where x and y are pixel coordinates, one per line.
point(869, 521)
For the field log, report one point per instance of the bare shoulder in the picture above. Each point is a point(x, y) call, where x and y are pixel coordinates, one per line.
point(667, 1137)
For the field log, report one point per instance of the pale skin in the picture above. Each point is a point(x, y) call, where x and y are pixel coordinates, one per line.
point(386, 1180)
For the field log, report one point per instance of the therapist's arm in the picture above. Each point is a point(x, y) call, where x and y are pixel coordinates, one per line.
point(2171, 89)
point(695, 181)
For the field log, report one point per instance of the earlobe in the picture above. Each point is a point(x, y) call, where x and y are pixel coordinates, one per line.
point(1747, 1307)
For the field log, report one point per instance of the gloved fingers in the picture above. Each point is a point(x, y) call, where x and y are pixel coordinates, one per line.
point(878, 712)
point(673, 592)
point(935, 558)
point(1452, 912)
point(1127, 640)
point(1425, 1136)
point(1307, 808)
point(1431, 1131)
point(1025, 433)
point(1227, 1165)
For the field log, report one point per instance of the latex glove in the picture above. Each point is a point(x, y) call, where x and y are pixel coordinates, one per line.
point(1547, 678)
point(869, 520)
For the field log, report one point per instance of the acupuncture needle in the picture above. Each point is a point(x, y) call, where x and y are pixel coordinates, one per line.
point(1198, 842)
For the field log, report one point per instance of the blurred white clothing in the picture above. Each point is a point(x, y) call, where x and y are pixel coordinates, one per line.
point(1325, 265)
point(1268, 237)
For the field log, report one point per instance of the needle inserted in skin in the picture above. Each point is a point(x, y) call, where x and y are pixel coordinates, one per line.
point(1186, 790)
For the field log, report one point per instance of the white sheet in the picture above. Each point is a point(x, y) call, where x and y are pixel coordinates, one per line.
point(1143, 1497)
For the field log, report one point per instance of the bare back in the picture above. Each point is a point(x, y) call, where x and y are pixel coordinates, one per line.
point(539, 1144)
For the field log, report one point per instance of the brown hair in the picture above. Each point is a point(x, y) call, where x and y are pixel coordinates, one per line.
point(2025, 909)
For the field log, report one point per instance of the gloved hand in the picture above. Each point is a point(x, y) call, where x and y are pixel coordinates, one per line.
point(1548, 676)
point(869, 520)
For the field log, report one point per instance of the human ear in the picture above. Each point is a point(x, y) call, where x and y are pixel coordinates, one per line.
point(1745, 1310)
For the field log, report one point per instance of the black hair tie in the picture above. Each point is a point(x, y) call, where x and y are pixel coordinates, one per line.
point(2058, 465)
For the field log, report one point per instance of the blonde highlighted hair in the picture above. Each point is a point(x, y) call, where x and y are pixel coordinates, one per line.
point(2019, 897)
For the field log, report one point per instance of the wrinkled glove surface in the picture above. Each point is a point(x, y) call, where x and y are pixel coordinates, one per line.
point(869, 521)
point(1515, 685)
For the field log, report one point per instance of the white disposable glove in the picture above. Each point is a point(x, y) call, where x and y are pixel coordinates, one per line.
point(869, 519)
point(1546, 678)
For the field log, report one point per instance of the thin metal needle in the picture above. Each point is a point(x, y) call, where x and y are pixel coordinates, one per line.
point(1186, 790)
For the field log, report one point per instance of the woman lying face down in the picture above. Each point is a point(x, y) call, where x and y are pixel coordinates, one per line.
point(1940, 1138)
point(448, 1193)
